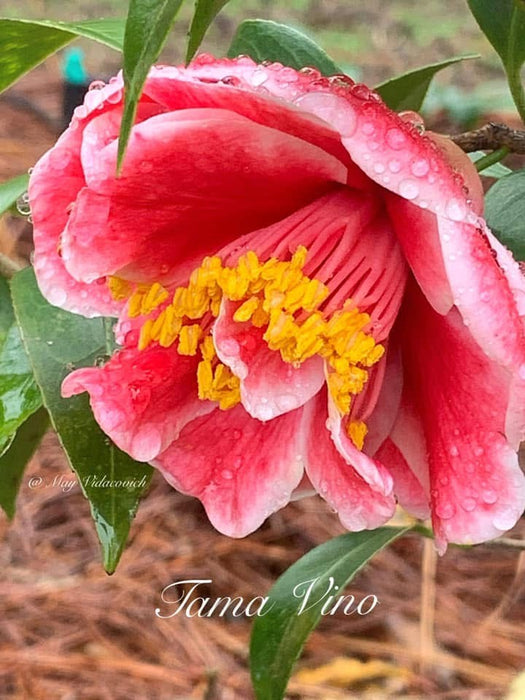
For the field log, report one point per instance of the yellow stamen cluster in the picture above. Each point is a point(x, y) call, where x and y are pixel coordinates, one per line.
point(274, 294)
point(216, 381)
point(357, 432)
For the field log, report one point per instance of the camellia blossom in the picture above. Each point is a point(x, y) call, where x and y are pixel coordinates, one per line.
point(308, 296)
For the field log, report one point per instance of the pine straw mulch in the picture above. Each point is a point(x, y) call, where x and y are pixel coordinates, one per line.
point(69, 631)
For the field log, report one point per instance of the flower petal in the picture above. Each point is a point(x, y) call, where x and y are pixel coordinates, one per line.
point(477, 486)
point(359, 506)
point(241, 469)
point(142, 400)
point(407, 487)
point(183, 176)
point(269, 385)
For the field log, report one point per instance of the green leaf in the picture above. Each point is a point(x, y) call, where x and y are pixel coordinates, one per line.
point(279, 634)
point(497, 170)
point(58, 342)
point(14, 460)
point(147, 28)
point(11, 190)
point(264, 40)
point(26, 43)
point(19, 394)
point(409, 90)
point(205, 13)
point(505, 211)
point(503, 23)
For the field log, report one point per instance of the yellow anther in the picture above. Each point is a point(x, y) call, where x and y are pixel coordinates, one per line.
point(204, 379)
point(357, 432)
point(246, 310)
point(208, 348)
point(153, 298)
point(299, 257)
point(189, 337)
point(145, 334)
point(120, 289)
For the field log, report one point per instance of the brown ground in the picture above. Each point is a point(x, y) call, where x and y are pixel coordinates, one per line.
point(70, 632)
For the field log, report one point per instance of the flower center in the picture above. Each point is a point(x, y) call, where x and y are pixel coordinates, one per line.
point(275, 295)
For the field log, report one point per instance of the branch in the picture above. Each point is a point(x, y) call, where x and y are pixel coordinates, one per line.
point(491, 137)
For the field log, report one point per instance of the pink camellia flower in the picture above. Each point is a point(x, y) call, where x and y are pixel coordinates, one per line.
point(307, 296)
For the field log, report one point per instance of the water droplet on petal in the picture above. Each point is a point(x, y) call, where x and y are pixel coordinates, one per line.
point(396, 139)
point(505, 519)
point(456, 209)
point(394, 165)
point(468, 504)
point(478, 451)
point(56, 296)
point(227, 474)
point(420, 167)
point(489, 496)
point(259, 76)
point(237, 434)
point(22, 205)
point(445, 511)
point(454, 451)
point(409, 189)
point(97, 85)
point(379, 168)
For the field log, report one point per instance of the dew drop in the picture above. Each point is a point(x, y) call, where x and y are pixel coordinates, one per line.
point(505, 519)
point(489, 496)
point(227, 474)
point(456, 209)
point(22, 205)
point(394, 165)
point(259, 77)
point(454, 451)
point(444, 480)
point(420, 167)
point(396, 139)
point(478, 451)
point(56, 296)
point(445, 511)
point(468, 504)
point(97, 85)
point(379, 168)
point(409, 189)
point(368, 128)
point(237, 434)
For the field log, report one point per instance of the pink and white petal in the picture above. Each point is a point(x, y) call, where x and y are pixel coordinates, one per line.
point(242, 470)
point(49, 209)
point(142, 400)
point(54, 184)
point(359, 506)
point(369, 469)
point(384, 412)
point(477, 487)
point(407, 487)
point(269, 385)
point(141, 227)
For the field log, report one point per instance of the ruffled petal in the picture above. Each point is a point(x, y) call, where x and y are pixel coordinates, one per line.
point(54, 184)
point(476, 485)
point(142, 400)
point(241, 469)
point(359, 506)
point(269, 385)
point(184, 174)
point(407, 487)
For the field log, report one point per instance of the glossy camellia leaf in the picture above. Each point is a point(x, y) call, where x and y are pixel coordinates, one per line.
point(264, 40)
point(505, 211)
point(57, 343)
point(11, 190)
point(295, 604)
point(26, 43)
point(503, 23)
point(147, 28)
point(19, 395)
point(14, 460)
point(408, 91)
point(205, 13)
